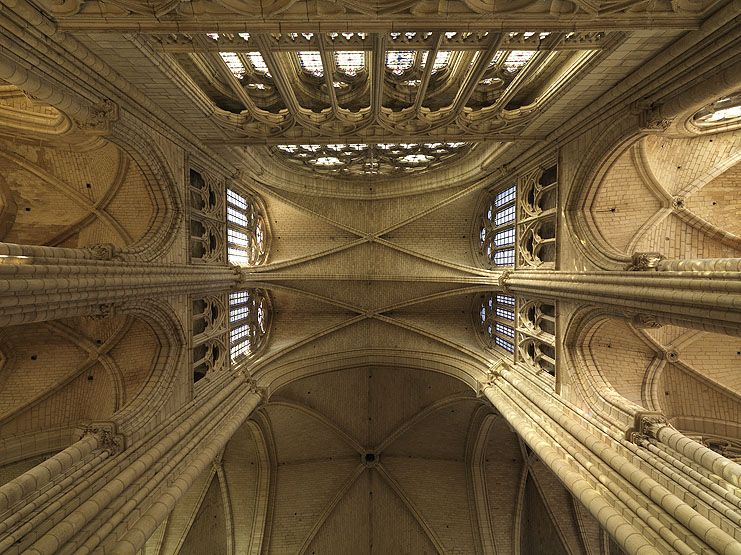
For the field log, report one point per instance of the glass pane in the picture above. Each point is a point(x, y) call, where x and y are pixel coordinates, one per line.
point(258, 64)
point(311, 62)
point(517, 59)
point(349, 62)
point(503, 197)
point(505, 216)
point(234, 64)
point(399, 61)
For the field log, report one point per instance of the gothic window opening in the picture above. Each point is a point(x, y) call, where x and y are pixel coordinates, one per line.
point(517, 59)
point(722, 111)
point(258, 63)
point(311, 63)
point(246, 232)
point(351, 63)
point(249, 317)
point(235, 65)
point(497, 320)
point(441, 60)
point(399, 61)
point(497, 232)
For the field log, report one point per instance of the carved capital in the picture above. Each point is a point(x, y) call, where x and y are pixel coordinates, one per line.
point(108, 438)
point(103, 251)
point(646, 425)
point(491, 376)
point(102, 115)
point(503, 279)
point(103, 311)
point(645, 321)
point(645, 261)
point(652, 120)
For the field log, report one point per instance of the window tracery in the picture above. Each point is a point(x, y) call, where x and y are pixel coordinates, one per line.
point(246, 230)
point(309, 110)
point(249, 322)
point(722, 111)
point(206, 218)
point(355, 160)
point(497, 229)
point(209, 335)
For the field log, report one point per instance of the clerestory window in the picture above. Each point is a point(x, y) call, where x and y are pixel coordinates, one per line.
point(249, 317)
point(497, 320)
point(246, 233)
point(497, 232)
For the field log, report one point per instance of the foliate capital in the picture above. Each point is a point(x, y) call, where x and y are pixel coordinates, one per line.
point(646, 425)
point(652, 120)
point(492, 374)
point(103, 251)
point(108, 438)
point(645, 261)
point(645, 321)
point(503, 279)
point(102, 116)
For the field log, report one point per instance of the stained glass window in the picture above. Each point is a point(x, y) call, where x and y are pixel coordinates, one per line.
point(235, 65)
point(258, 63)
point(723, 110)
point(497, 319)
point(517, 59)
point(399, 61)
point(249, 315)
point(350, 62)
point(441, 59)
point(497, 233)
point(245, 230)
point(311, 62)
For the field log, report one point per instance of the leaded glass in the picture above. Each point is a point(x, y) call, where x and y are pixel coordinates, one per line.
point(497, 231)
point(258, 63)
point(249, 315)
point(723, 110)
point(245, 230)
point(497, 317)
point(311, 62)
point(235, 65)
point(399, 61)
point(350, 62)
point(441, 59)
point(517, 59)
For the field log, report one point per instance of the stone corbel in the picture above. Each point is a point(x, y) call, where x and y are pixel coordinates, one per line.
point(645, 261)
point(108, 437)
point(646, 425)
point(100, 119)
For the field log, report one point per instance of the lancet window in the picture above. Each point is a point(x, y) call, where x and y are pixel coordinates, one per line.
point(497, 320)
point(249, 321)
point(246, 231)
point(497, 231)
point(524, 329)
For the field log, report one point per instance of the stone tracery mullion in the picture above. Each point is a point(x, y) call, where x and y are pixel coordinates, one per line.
point(427, 74)
point(285, 87)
